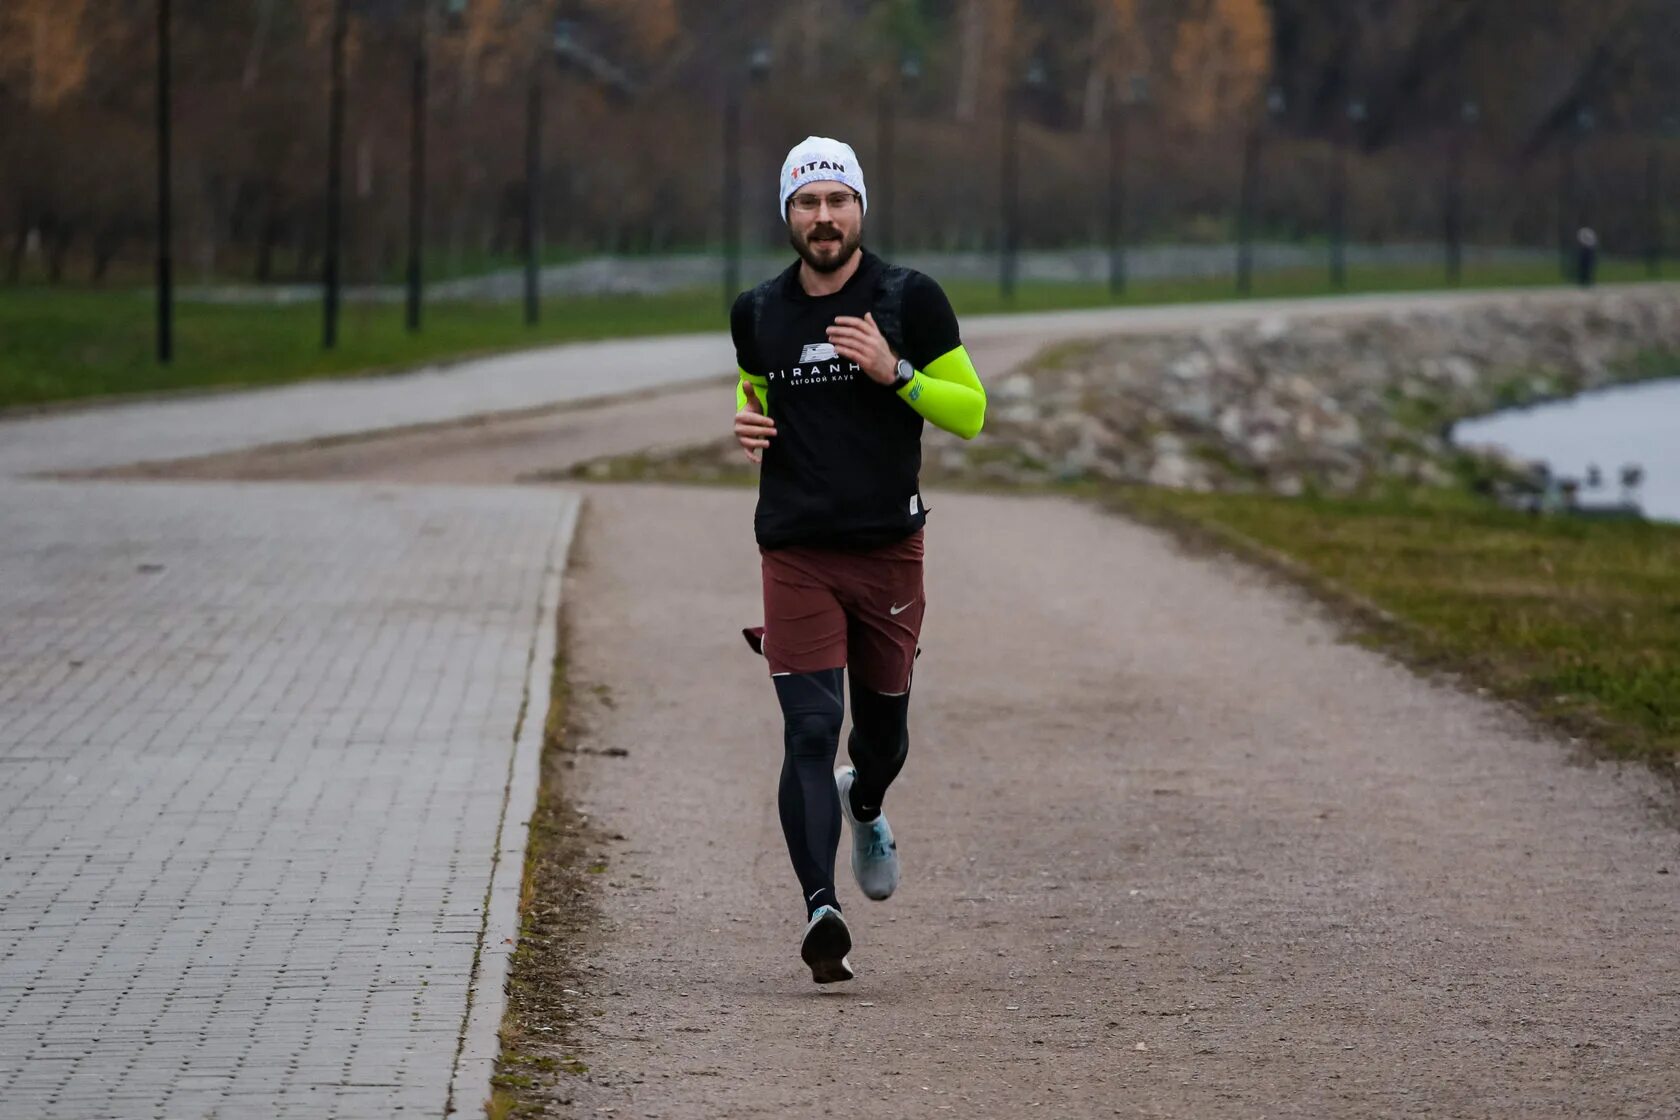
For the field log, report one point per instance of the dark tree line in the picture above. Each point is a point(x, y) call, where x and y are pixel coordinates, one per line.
point(1566, 105)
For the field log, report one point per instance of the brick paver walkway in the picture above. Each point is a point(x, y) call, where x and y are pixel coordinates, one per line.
point(254, 749)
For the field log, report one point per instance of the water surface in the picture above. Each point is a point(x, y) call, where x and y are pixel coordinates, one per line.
point(1631, 424)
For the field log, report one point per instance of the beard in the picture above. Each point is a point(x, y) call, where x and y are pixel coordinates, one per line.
point(826, 257)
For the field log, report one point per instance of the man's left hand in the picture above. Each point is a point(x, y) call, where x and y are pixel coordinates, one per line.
point(861, 341)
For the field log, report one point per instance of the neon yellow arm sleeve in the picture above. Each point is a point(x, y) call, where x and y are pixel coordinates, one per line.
point(761, 389)
point(948, 394)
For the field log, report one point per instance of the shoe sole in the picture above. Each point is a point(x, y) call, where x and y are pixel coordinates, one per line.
point(824, 950)
point(877, 894)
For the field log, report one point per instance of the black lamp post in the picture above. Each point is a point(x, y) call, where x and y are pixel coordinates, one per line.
point(559, 44)
point(533, 231)
point(1339, 193)
point(758, 66)
point(1654, 198)
point(1136, 96)
point(331, 278)
point(1452, 209)
point(1009, 262)
point(1249, 200)
point(165, 209)
point(1572, 204)
point(417, 163)
point(533, 194)
point(909, 70)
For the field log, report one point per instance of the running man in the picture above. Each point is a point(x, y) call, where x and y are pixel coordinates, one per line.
point(842, 357)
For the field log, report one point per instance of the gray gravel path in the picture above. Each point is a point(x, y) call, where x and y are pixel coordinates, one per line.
point(1170, 848)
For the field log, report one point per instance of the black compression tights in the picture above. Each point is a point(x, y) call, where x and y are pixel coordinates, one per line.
point(878, 744)
point(812, 711)
point(812, 708)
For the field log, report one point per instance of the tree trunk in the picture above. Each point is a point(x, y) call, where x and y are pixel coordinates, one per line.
point(58, 248)
point(1104, 24)
point(811, 39)
point(1092, 114)
point(307, 254)
point(971, 35)
point(259, 41)
point(267, 235)
point(20, 242)
point(105, 247)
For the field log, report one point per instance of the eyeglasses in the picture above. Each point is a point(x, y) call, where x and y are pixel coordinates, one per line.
point(808, 203)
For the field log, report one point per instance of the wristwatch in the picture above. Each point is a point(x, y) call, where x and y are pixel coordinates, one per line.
point(904, 373)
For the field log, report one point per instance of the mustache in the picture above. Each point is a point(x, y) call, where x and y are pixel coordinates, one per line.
point(824, 231)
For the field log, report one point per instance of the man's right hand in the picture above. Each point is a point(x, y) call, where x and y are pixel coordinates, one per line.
point(752, 428)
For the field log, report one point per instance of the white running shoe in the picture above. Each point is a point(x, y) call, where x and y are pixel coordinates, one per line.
point(826, 943)
point(874, 854)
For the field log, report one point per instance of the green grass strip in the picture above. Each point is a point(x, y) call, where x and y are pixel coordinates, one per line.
point(67, 344)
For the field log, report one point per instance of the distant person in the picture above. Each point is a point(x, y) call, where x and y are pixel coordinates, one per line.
point(1586, 258)
point(842, 356)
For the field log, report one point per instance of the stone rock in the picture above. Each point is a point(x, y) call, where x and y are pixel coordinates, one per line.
point(1307, 402)
point(1167, 444)
point(1196, 405)
point(1174, 470)
point(1015, 387)
point(1233, 423)
point(1342, 433)
point(1263, 447)
point(1193, 366)
point(1461, 370)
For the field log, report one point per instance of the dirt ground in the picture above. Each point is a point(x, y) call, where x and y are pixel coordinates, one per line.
point(1171, 848)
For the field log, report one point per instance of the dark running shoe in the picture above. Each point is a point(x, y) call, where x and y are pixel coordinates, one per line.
point(826, 943)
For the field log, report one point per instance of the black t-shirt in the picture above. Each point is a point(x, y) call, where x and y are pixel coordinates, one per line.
point(842, 469)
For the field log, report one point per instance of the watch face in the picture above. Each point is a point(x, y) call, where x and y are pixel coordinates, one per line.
point(905, 370)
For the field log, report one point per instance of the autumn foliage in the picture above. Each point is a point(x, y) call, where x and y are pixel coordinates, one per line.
point(634, 90)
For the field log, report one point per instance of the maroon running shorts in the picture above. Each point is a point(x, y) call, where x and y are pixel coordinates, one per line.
point(827, 609)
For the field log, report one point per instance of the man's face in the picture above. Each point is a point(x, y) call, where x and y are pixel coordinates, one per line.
point(825, 224)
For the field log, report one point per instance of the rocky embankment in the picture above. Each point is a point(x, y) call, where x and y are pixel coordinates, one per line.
point(1284, 405)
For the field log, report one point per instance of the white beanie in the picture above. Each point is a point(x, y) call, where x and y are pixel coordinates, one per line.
point(817, 159)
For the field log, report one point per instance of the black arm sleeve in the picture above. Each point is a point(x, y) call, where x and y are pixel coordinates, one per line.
point(930, 326)
point(741, 331)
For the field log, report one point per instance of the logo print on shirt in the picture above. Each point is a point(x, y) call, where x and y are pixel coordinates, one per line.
point(819, 364)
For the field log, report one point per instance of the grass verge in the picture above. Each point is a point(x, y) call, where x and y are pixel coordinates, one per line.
point(59, 344)
point(972, 297)
point(557, 926)
point(77, 345)
point(1577, 621)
